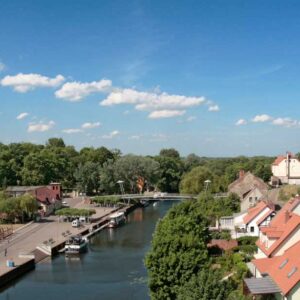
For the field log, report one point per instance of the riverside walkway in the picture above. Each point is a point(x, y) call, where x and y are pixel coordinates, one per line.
point(20, 247)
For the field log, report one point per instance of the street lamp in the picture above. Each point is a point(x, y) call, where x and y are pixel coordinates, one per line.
point(206, 184)
point(120, 183)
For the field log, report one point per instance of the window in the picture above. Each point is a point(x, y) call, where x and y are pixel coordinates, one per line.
point(292, 272)
point(252, 229)
point(283, 263)
point(250, 199)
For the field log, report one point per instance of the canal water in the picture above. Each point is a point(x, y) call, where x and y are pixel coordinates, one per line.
point(113, 267)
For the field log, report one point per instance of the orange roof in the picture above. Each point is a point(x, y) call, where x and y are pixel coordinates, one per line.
point(256, 210)
point(267, 214)
point(281, 233)
point(278, 160)
point(280, 218)
point(284, 269)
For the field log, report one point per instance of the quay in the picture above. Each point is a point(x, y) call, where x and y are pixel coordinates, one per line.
point(35, 242)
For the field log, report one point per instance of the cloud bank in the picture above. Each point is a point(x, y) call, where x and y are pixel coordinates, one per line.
point(23, 83)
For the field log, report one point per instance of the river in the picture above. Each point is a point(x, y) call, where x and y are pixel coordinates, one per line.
point(112, 268)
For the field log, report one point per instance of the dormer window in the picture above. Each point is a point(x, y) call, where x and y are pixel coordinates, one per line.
point(283, 263)
point(292, 272)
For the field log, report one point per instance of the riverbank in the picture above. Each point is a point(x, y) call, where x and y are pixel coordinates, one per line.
point(112, 268)
point(38, 241)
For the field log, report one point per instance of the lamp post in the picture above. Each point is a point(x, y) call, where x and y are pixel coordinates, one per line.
point(206, 184)
point(121, 184)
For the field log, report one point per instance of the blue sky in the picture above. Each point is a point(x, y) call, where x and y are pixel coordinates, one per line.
point(216, 78)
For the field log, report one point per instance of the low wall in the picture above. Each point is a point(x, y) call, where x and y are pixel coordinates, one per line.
point(16, 272)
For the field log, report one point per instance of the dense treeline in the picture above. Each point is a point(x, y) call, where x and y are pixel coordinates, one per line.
point(96, 170)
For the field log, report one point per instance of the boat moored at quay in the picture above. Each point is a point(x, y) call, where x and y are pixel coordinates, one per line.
point(116, 219)
point(76, 244)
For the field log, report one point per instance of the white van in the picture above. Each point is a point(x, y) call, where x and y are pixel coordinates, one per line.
point(76, 223)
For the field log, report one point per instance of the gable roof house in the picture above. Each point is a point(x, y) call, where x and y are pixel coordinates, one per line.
point(48, 197)
point(249, 223)
point(286, 169)
point(277, 262)
point(249, 188)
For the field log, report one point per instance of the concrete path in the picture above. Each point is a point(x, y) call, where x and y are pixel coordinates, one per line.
point(26, 239)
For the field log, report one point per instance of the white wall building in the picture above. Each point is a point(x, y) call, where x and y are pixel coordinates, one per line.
point(287, 169)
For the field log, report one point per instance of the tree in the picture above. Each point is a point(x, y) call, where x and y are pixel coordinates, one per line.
point(55, 142)
point(178, 250)
point(131, 168)
point(171, 152)
point(88, 177)
point(28, 205)
point(192, 161)
point(206, 285)
point(193, 181)
point(171, 170)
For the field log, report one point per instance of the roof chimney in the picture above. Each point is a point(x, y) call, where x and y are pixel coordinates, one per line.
point(286, 216)
point(241, 173)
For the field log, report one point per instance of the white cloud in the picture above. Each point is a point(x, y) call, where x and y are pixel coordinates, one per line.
point(286, 122)
point(2, 66)
point(214, 108)
point(241, 122)
point(151, 100)
point(126, 112)
point(135, 137)
point(23, 83)
point(111, 135)
point(41, 127)
point(158, 137)
point(159, 114)
point(72, 130)
point(22, 116)
point(76, 91)
point(261, 118)
point(191, 118)
point(89, 125)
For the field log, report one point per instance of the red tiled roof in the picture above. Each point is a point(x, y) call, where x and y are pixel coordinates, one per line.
point(278, 160)
point(256, 210)
point(284, 269)
point(281, 233)
point(223, 244)
point(280, 217)
point(266, 215)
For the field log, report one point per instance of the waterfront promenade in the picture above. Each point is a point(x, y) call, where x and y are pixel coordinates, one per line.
point(25, 240)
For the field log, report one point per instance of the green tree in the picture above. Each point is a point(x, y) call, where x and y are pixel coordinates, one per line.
point(193, 181)
point(206, 285)
point(178, 250)
point(28, 205)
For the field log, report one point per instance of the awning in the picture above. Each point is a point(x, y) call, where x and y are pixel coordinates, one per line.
point(261, 286)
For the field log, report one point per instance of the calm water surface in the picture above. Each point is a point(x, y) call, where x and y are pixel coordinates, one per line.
point(112, 269)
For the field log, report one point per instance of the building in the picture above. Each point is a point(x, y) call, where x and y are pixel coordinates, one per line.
point(249, 188)
point(48, 197)
point(286, 169)
point(276, 267)
point(249, 223)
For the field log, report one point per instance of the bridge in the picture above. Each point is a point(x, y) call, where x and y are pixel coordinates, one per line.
point(157, 196)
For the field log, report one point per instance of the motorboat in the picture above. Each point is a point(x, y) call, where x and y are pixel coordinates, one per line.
point(76, 244)
point(116, 219)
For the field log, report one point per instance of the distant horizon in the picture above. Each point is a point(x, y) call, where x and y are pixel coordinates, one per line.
point(154, 154)
point(215, 78)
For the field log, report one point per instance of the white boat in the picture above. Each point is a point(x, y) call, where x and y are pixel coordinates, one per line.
point(76, 244)
point(116, 219)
